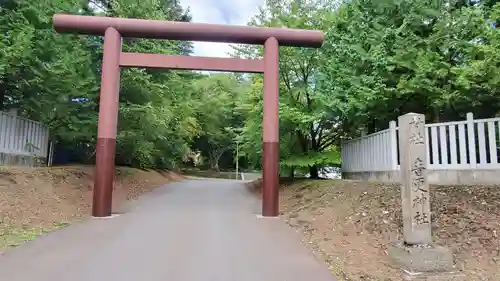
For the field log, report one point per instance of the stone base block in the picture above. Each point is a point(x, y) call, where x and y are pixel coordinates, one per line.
point(424, 263)
point(433, 276)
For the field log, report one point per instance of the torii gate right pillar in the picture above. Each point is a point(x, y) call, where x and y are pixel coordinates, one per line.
point(270, 130)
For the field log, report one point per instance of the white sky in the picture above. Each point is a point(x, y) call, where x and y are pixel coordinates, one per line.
point(235, 12)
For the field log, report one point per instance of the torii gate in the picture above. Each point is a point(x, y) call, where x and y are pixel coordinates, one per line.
point(114, 29)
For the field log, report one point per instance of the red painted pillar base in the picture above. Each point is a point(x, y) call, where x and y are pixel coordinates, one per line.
point(104, 177)
point(270, 190)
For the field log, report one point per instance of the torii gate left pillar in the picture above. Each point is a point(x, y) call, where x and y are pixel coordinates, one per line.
point(114, 29)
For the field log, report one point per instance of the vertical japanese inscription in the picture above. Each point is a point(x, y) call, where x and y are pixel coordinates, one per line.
point(415, 190)
point(420, 191)
point(416, 136)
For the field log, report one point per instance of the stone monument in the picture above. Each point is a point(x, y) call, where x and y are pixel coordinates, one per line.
point(416, 255)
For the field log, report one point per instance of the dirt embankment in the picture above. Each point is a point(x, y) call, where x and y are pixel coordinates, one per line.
point(38, 200)
point(349, 225)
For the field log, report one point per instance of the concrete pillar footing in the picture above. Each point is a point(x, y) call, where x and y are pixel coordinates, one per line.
point(424, 263)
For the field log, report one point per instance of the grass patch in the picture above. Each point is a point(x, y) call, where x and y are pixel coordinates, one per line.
point(209, 174)
point(12, 236)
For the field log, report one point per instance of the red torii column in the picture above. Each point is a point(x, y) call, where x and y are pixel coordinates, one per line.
point(114, 29)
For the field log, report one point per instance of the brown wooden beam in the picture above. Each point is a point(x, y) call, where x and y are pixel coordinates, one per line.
point(157, 29)
point(191, 63)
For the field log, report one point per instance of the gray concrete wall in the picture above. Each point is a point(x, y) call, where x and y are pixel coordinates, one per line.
point(438, 177)
point(252, 176)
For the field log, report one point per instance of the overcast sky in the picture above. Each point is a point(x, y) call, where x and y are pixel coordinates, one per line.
point(236, 12)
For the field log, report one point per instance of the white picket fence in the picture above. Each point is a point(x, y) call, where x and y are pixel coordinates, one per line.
point(460, 145)
point(23, 137)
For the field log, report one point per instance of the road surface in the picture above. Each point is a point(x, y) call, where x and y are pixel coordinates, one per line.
point(194, 230)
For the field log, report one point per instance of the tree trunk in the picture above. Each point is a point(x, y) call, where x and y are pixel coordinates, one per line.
point(436, 115)
point(215, 166)
point(372, 127)
point(292, 172)
point(214, 159)
point(214, 163)
point(313, 172)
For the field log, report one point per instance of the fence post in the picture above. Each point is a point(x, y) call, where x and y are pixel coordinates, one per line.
point(471, 135)
point(342, 155)
point(13, 134)
point(393, 145)
point(50, 157)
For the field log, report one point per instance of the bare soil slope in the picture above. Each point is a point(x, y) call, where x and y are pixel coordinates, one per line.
point(38, 200)
point(349, 224)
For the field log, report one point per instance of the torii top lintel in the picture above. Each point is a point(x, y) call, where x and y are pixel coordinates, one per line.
point(156, 29)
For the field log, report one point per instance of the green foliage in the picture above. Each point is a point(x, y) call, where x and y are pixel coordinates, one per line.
point(307, 127)
point(323, 158)
point(217, 97)
point(387, 58)
point(54, 79)
point(380, 59)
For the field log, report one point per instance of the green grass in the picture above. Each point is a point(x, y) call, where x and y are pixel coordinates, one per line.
point(16, 236)
point(220, 175)
point(209, 174)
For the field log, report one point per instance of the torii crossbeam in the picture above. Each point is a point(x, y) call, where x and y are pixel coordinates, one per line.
point(114, 29)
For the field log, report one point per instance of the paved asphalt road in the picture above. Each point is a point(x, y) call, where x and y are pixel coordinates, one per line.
point(194, 230)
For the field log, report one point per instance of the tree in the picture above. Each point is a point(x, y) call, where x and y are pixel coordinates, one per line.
point(380, 59)
point(217, 96)
point(308, 129)
point(54, 78)
point(157, 116)
point(44, 74)
point(388, 58)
